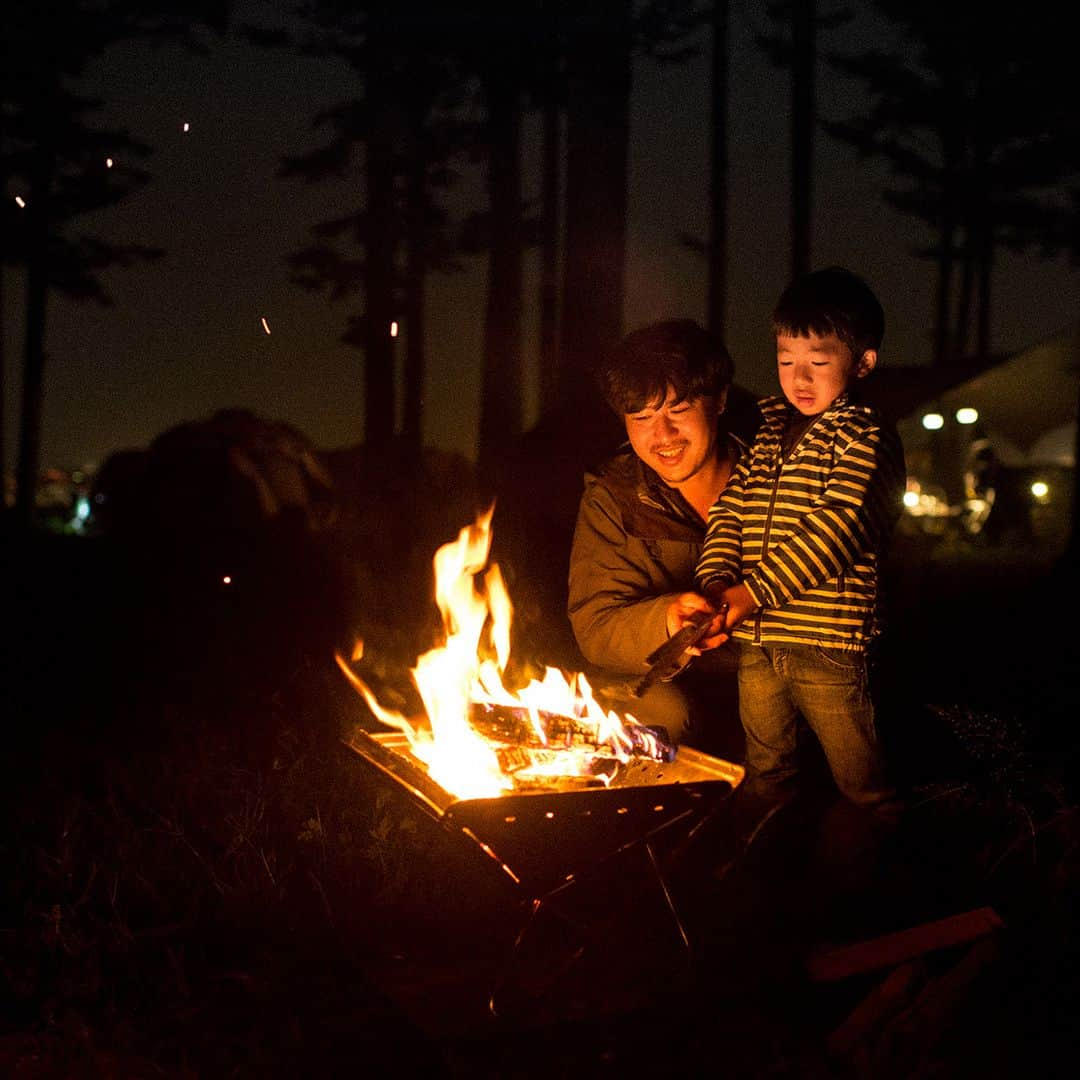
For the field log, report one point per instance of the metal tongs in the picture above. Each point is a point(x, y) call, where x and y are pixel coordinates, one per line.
point(671, 657)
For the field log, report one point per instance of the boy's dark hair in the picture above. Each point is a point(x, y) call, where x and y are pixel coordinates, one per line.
point(831, 301)
point(674, 352)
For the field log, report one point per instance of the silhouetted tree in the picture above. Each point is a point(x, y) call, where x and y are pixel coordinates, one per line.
point(3, 405)
point(503, 64)
point(395, 141)
point(714, 246)
point(718, 172)
point(598, 79)
point(979, 131)
point(797, 49)
point(63, 168)
point(552, 102)
point(600, 41)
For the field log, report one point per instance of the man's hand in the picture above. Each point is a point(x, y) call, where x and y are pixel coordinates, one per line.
point(687, 604)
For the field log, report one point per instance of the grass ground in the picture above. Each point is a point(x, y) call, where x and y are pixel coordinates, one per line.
point(199, 882)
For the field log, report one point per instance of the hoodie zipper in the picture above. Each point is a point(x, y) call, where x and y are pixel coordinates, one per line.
point(781, 460)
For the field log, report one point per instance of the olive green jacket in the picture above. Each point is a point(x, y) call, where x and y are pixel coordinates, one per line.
point(635, 548)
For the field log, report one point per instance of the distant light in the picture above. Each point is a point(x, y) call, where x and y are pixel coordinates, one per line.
point(187, 126)
point(82, 509)
point(967, 415)
point(108, 163)
point(911, 498)
point(21, 202)
point(226, 579)
point(393, 328)
point(933, 421)
point(265, 325)
point(1040, 489)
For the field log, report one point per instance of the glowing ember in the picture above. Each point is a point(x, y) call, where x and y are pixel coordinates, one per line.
point(551, 728)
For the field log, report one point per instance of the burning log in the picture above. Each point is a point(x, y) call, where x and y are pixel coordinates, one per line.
point(481, 737)
point(539, 767)
point(528, 728)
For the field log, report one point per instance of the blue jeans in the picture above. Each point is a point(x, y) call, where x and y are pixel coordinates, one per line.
point(830, 689)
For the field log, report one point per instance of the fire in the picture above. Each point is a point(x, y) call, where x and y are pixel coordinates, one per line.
point(551, 728)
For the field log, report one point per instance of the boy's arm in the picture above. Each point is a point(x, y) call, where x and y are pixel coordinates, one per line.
point(720, 564)
point(860, 506)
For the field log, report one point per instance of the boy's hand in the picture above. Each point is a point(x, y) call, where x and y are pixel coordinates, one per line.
point(739, 602)
point(683, 607)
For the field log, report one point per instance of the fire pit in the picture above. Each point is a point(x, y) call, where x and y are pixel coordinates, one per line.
point(543, 839)
point(564, 798)
point(590, 867)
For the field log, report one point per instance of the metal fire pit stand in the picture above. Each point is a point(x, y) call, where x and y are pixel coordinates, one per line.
point(591, 865)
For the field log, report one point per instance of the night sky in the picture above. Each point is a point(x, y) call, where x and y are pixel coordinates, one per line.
point(185, 336)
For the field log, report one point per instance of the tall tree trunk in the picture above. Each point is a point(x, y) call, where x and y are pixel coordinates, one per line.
point(28, 468)
point(986, 277)
point(718, 173)
point(942, 306)
point(551, 197)
point(802, 131)
point(415, 290)
point(951, 200)
point(501, 394)
point(984, 248)
point(962, 326)
point(1071, 558)
point(379, 245)
point(597, 135)
point(3, 400)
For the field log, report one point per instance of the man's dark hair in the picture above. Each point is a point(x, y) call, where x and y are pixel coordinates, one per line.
point(676, 353)
point(831, 301)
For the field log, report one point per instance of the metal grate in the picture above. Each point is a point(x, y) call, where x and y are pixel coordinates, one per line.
point(544, 837)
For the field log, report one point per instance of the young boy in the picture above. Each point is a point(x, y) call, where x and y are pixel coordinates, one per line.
point(794, 546)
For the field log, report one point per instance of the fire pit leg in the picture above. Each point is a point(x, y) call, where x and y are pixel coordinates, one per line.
point(545, 951)
point(560, 970)
point(662, 881)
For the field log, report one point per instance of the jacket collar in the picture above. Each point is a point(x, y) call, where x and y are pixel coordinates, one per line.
point(778, 405)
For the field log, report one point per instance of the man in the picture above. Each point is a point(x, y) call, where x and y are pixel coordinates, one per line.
point(641, 525)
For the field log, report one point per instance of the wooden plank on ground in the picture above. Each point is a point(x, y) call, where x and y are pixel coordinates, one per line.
point(879, 1006)
point(827, 964)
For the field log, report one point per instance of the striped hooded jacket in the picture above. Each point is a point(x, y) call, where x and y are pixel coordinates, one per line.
point(806, 534)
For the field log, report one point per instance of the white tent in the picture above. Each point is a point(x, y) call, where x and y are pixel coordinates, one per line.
point(1055, 447)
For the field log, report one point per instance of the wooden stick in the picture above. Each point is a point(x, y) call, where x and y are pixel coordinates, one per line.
point(829, 964)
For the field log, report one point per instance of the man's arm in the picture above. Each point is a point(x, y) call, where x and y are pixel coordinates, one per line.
point(616, 615)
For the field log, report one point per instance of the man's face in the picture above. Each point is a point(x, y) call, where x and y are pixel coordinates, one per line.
point(814, 371)
point(676, 438)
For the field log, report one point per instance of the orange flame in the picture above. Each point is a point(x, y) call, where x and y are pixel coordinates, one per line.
point(467, 671)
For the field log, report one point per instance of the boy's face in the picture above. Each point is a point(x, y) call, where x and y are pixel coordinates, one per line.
point(814, 371)
point(676, 438)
